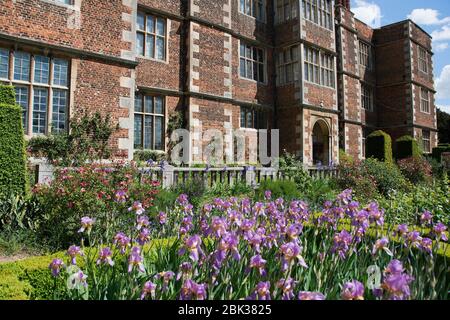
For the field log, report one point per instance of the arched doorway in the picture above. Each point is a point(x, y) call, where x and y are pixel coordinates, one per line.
point(321, 143)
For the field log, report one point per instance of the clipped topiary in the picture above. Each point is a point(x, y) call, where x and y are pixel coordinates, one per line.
point(13, 174)
point(7, 95)
point(407, 147)
point(439, 150)
point(379, 146)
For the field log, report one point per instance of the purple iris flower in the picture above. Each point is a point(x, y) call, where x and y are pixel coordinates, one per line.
point(105, 257)
point(255, 240)
point(293, 231)
point(142, 222)
point(166, 276)
point(307, 295)
point(396, 281)
point(56, 266)
point(394, 267)
point(287, 287)
point(257, 262)
point(381, 244)
point(426, 218)
point(143, 237)
point(162, 218)
point(376, 215)
point(149, 289)
point(183, 199)
point(401, 230)
point(290, 252)
point(229, 243)
point(72, 252)
point(353, 290)
point(120, 196)
point(192, 291)
point(218, 226)
point(268, 195)
point(426, 245)
point(86, 224)
point(262, 292)
point(122, 242)
point(341, 243)
point(440, 232)
point(185, 271)
point(137, 208)
point(413, 239)
point(193, 246)
point(135, 260)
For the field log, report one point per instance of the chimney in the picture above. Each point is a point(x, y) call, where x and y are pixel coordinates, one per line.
point(344, 3)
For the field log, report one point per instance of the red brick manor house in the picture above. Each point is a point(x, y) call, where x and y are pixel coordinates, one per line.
point(306, 67)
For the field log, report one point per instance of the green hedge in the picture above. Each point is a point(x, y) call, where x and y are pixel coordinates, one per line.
point(379, 146)
point(407, 147)
point(28, 279)
point(13, 174)
point(7, 95)
point(439, 150)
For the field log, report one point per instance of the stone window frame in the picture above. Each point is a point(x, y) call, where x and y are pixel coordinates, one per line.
point(254, 13)
point(425, 100)
point(365, 55)
point(314, 64)
point(367, 97)
point(253, 62)
point(426, 141)
point(322, 11)
point(154, 115)
point(285, 10)
point(423, 59)
point(155, 35)
point(258, 117)
point(284, 64)
point(73, 5)
point(33, 87)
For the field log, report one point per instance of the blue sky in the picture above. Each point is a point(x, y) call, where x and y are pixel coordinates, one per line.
point(432, 15)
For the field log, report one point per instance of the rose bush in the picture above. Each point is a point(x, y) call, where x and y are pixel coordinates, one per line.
point(104, 192)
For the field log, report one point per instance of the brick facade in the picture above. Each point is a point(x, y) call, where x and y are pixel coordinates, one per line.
point(200, 74)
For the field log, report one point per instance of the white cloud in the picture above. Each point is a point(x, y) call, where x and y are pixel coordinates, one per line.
point(444, 108)
point(443, 84)
point(439, 47)
point(368, 12)
point(441, 34)
point(427, 17)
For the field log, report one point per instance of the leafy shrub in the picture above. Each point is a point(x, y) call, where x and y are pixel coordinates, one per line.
point(345, 157)
point(352, 175)
point(379, 146)
point(145, 155)
point(13, 173)
point(293, 169)
point(286, 189)
point(7, 95)
point(28, 279)
point(387, 176)
point(19, 212)
point(406, 207)
point(407, 147)
point(416, 170)
point(88, 140)
point(102, 192)
point(370, 177)
point(320, 190)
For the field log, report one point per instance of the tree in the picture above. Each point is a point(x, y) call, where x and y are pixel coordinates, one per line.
point(443, 122)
